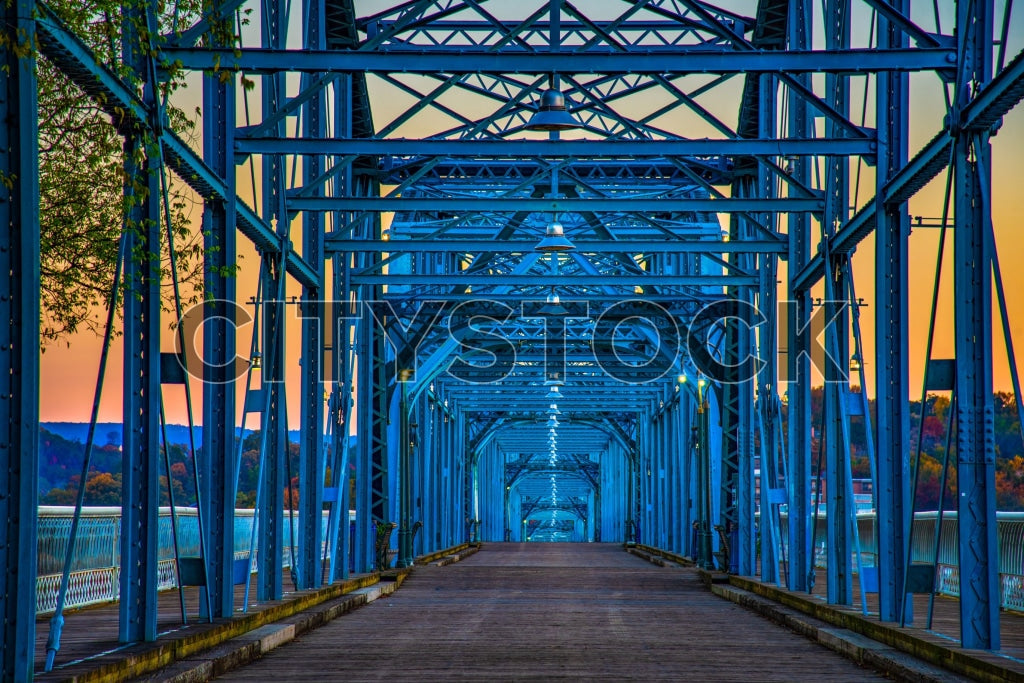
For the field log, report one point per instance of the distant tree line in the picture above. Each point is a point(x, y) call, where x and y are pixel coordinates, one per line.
point(1008, 446)
point(61, 466)
point(61, 461)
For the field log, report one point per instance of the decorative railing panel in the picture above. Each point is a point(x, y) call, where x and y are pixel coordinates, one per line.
point(95, 571)
point(1010, 535)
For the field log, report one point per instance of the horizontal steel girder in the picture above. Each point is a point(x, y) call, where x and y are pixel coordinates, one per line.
point(557, 148)
point(444, 246)
point(557, 280)
point(529, 204)
point(454, 61)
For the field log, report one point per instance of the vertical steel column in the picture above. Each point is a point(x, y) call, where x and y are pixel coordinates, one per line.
point(19, 342)
point(675, 531)
point(404, 471)
point(737, 478)
point(972, 271)
point(646, 502)
point(892, 375)
point(762, 343)
point(837, 199)
point(270, 514)
point(140, 470)
point(687, 474)
point(465, 464)
point(372, 432)
point(705, 560)
point(798, 343)
point(314, 334)
point(217, 466)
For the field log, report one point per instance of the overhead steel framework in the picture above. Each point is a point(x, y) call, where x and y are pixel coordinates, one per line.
point(470, 274)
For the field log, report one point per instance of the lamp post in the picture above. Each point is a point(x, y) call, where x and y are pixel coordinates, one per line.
point(404, 473)
point(704, 558)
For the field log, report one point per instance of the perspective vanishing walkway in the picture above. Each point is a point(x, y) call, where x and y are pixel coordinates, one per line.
point(552, 610)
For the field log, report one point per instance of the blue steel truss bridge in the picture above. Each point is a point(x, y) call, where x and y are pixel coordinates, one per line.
point(545, 271)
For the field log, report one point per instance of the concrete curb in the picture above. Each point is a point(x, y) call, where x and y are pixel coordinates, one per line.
point(456, 557)
point(250, 646)
point(854, 646)
point(896, 652)
point(658, 557)
point(254, 644)
point(976, 665)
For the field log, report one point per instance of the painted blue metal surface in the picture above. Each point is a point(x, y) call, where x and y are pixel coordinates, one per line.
point(315, 337)
point(19, 349)
point(142, 393)
point(220, 364)
point(972, 273)
point(426, 203)
point(654, 61)
point(892, 391)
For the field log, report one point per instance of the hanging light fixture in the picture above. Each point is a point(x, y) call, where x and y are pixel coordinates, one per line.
point(256, 361)
point(855, 362)
point(551, 113)
point(554, 239)
point(553, 305)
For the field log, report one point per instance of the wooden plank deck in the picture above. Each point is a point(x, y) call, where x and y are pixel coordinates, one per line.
point(945, 621)
point(92, 630)
point(559, 603)
point(542, 611)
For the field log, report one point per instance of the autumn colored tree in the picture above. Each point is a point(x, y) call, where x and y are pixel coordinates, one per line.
point(81, 177)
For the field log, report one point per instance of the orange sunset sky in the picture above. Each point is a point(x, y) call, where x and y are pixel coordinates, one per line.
point(69, 369)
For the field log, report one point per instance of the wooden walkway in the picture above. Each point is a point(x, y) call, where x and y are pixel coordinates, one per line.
point(544, 611)
point(90, 637)
point(946, 616)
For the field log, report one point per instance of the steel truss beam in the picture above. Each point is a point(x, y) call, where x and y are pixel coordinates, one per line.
point(584, 149)
point(622, 280)
point(531, 204)
point(695, 60)
point(989, 104)
point(632, 246)
point(119, 100)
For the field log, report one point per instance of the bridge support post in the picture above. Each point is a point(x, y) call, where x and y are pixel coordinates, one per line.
point(141, 447)
point(972, 271)
point(217, 467)
point(892, 382)
point(19, 343)
point(404, 472)
point(798, 367)
point(272, 422)
point(705, 560)
point(314, 337)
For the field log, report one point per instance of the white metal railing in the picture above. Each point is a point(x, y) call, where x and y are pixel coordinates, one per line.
point(1009, 535)
point(95, 571)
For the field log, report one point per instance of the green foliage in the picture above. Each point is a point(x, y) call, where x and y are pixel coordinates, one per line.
point(1008, 443)
point(81, 168)
point(60, 467)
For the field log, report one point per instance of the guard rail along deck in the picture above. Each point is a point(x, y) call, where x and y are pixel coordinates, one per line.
point(95, 572)
point(1009, 532)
